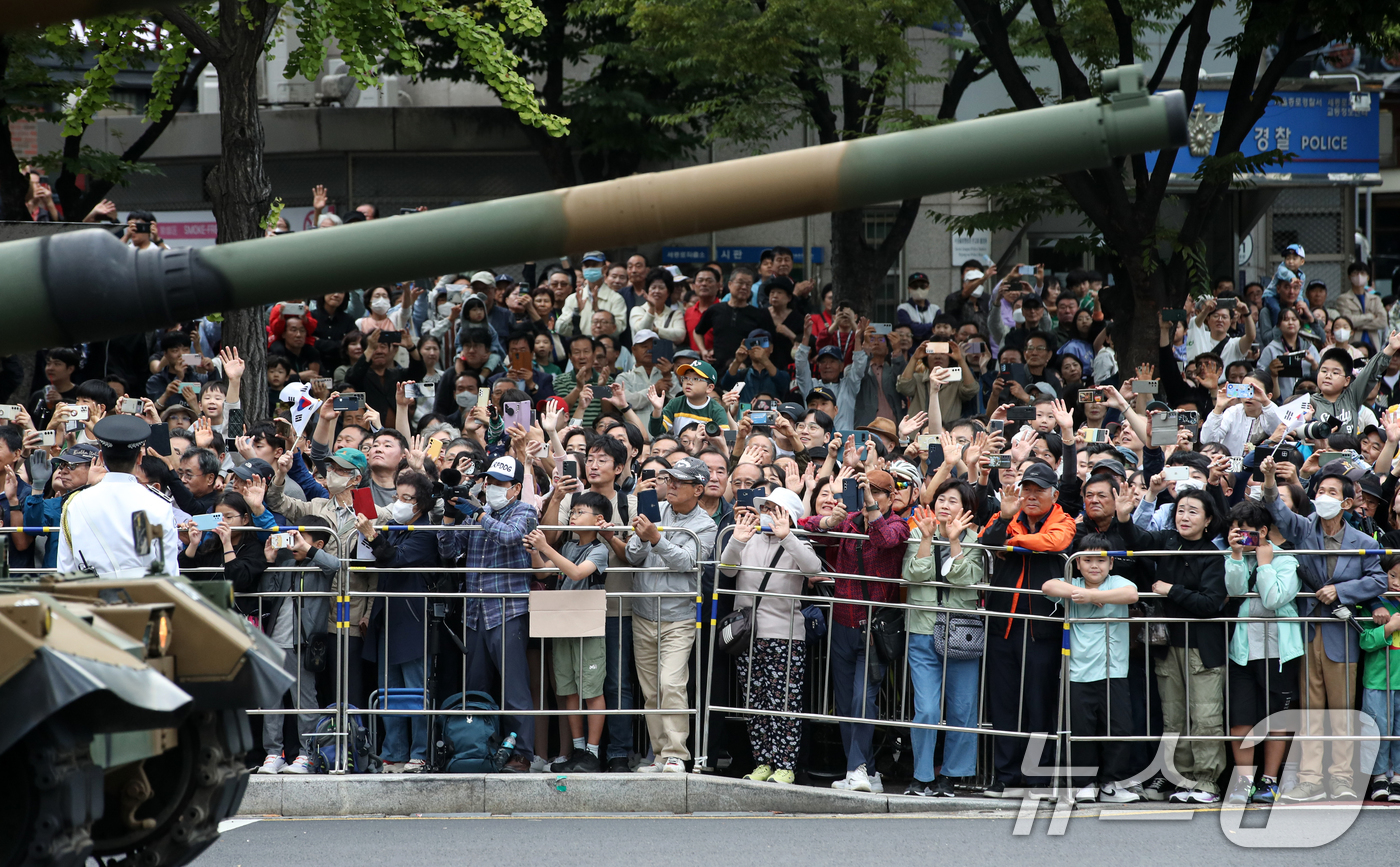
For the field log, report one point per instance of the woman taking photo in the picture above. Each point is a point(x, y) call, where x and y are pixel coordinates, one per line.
point(1288, 343)
point(944, 648)
point(773, 667)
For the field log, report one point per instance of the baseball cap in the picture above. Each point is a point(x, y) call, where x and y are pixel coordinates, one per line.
point(794, 411)
point(1108, 465)
point(1031, 302)
point(82, 453)
point(594, 256)
point(974, 274)
point(880, 481)
point(677, 275)
point(689, 469)
point(784, 498)
point(351, 459)
point(506, 470)
point(821, 392)
point(1130, 458)
point(483, 277)
point(1157, 406)
point(1371, 484)
point(557, 402)
point(699, 368)
point(685, 355)
point(831, 352)
point(778, 281)
point(1039, 475)
point(504, 278)
point(1312, 283)
point(1296, 248)
point(643, 335)
point(918, 277)
point(253, 467)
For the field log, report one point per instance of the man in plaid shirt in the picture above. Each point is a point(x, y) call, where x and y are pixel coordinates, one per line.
point(855, 682)
point(497, 636)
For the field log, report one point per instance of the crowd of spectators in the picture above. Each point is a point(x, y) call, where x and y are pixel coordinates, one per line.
point(783, 439)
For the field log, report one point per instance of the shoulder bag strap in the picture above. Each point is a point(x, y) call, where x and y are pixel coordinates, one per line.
point(763, 585)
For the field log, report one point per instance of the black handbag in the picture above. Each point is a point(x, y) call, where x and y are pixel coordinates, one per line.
point(314, 652)
point(735, 629)
point(886, 624)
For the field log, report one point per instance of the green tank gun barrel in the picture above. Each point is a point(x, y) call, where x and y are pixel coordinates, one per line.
point(79, 286)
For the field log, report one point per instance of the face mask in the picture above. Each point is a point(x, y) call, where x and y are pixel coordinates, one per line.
point(1256, 494)
point(444, 310)
point(497, 498)
point(1018, 316)
point(977, 293)
point(379, 305)
point(1327, 507)
point(400, 512)
point(465, 399)
point(1341, 335)
point(593, 275)
point(337, 482)
point(1358, 280)
point(918, 294)
point(765, 523)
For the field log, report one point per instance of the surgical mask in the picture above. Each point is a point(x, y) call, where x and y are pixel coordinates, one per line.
point(765, 523)
point(379, 305)
point(977, 293)
point(1341, 335)
point(1327, 507)
point(445, 309)
point(918, 294)
point(465, 399)
point(337, 482)
point(1358, 280)
point(1018, 316)
point(497, 498)
point(593, 275)
point(1256, 494)
point(400, 512)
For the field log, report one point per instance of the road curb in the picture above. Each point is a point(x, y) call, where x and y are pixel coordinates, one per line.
point(513, 794)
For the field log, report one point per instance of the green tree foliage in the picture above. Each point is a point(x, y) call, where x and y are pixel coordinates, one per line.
point(1121, 205)
point(28, 90)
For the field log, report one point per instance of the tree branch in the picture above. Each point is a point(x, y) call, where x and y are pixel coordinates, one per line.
point(1169, 51)
point(1123, 27)
point(1196, 45)
point(196, 35)
point(1073, 82)
point(991, 30)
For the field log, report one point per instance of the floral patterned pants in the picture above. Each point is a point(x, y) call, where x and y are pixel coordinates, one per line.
point(776, 685)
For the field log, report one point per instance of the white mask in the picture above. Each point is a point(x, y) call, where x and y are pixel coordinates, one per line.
point(445, 309)
point(1358, 280)
point(337, 482)
point(1018, 316)
point(400, 512)
point(1327, 507)
point(379, 305)
point(496, 497)
point(977, 293)
point(466, 398)
point(1256, 494)
point(1341, 335)
point(918, 294)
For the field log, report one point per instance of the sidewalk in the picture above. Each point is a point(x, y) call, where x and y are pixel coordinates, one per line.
point(403, 794)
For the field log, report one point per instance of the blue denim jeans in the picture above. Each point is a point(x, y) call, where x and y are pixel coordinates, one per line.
point(619, 679)
point(397, 746)
point(926, 672)
point(855, 690)
point(1384, 708)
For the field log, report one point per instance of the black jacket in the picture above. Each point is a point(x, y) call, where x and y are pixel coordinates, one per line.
point(1198, 589)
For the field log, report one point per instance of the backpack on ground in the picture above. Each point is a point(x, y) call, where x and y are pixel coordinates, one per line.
point(328, 745)
point(469, 742)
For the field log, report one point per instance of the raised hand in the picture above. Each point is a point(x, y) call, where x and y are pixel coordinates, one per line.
point(318, 198)
point(746, 524)
point(958, 525)
point(782, 523)
point(232, 363)
point(912, 424)
point(926, 521)
point(254, 491)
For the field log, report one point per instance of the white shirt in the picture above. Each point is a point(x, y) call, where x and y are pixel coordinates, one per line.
point(96, 529)
point(1198, 340)
point(1232, 428)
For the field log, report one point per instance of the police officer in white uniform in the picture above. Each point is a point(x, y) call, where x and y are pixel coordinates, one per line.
point(96, 525)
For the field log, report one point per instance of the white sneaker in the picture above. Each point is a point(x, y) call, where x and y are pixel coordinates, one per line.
point(302, 765)
point(1086, 795)
point(653, 768)
point(392, 767)
point(876, 784)
point(673, 766)
point(1117, 795)
point(859, 780)
point(415, 766)
point(272, 765)
point(539, 765)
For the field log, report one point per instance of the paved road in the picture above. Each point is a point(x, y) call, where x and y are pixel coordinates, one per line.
point(768, 841)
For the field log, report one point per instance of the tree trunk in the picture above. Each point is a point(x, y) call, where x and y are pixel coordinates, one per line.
point(857, 267)
point(239, 191)
point(14, 186)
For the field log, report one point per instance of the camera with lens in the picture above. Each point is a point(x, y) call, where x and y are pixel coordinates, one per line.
point(1318, 430)
point(448, 488)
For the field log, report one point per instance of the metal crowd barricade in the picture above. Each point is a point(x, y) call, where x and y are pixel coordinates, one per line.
point(899, 701)
point(691, 710)
point(1223, 623)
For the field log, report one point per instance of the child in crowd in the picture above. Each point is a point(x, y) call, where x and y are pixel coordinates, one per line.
point(1098, 669)
point(696, 403)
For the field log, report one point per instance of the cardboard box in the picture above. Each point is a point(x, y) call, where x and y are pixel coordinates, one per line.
point(568, 613)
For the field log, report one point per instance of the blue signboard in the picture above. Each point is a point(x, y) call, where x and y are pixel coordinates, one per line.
point(699, 255)
point(1319, 127)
